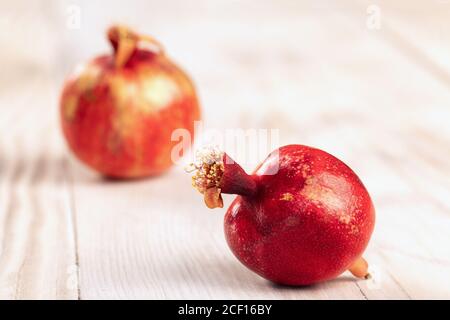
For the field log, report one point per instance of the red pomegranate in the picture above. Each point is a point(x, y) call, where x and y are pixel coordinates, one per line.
point(302, 217)
point(118, 112)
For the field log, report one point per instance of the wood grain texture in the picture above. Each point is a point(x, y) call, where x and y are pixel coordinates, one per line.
point(36, 234)
point(377, 99)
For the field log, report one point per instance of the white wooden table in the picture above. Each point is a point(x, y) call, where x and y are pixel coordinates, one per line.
point(379, 99)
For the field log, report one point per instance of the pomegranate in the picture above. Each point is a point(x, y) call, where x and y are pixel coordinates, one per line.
point(302, 217)
point(118, 111)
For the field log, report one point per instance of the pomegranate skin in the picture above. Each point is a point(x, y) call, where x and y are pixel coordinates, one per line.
point(307, 223)
point(119, 120)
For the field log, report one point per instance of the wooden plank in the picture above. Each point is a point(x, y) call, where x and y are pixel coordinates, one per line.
point(417, 31)
point(376, 99)
point(37, 251)
point(414, 227)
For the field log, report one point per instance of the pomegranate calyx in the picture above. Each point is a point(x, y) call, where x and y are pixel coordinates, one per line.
point(213, 198)
point(208, 169)
point(125, 42)
point(216, 173)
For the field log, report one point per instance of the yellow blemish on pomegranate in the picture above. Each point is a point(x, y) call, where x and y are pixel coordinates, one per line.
point(287, 196)
point(354, 229)
point(305, 169)
point(322, 191)
point(157, 92)
point(70, 107)
point(123, 122)
point(345, 218)
point(88, 78)
point(317, 192)
point(124, 94)
point(123, 91)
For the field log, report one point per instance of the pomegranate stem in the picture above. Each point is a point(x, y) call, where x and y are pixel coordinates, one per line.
point(235, 180)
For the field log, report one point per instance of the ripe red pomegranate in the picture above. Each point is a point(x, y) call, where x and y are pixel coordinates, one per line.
point(308, 222)
point(118, 112)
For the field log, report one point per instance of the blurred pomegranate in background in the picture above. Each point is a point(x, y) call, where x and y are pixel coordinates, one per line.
point(118, 112)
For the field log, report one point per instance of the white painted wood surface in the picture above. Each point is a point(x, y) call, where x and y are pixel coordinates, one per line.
point(377, 99)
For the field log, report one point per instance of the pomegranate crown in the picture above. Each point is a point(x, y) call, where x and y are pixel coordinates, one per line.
point(207, 168)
